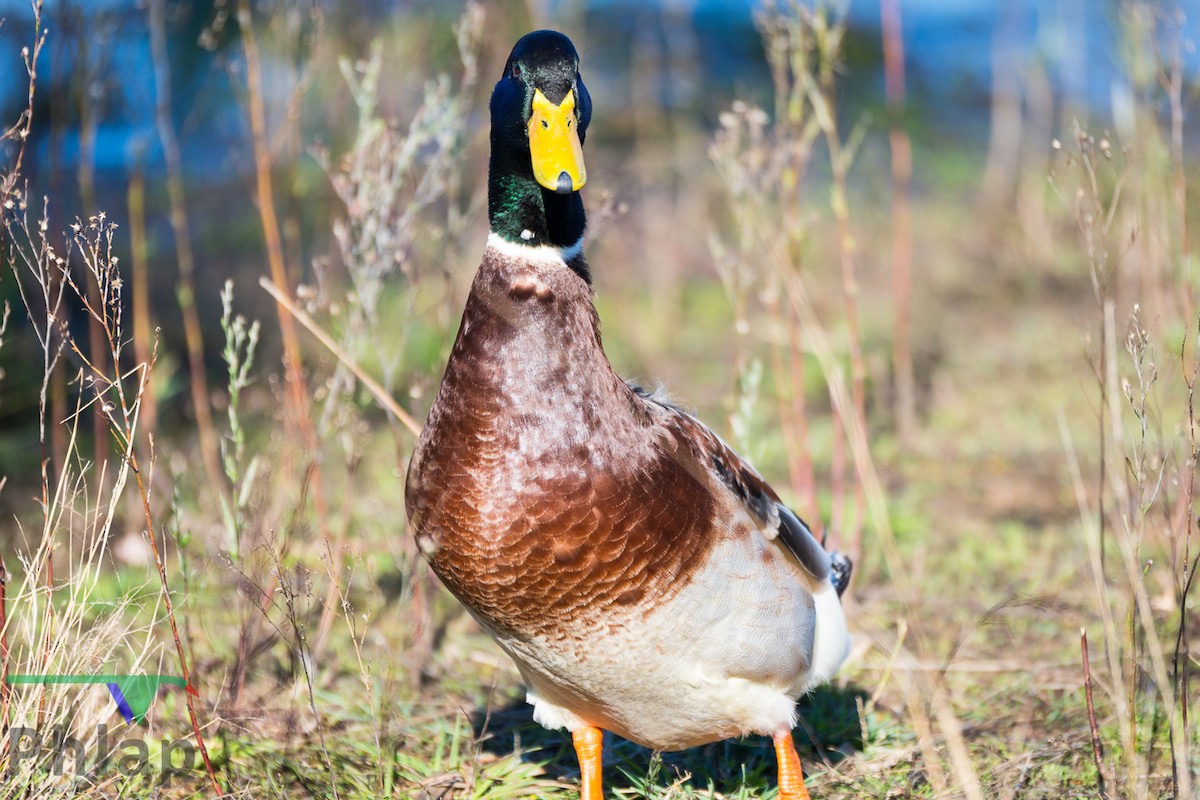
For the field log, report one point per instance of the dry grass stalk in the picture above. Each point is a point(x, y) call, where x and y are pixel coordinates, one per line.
point(1186, 568)
point(9, 180)
point(773, 257)
point(933, 687)
point(304, 654)
point(802, 46)
point(94, 246)
point(357, 639)
point(30, 248)
point(1133, 489)
point(42, 274)
point(828, 27)
point(20, 130)
point(5, 689)
point(764, 167)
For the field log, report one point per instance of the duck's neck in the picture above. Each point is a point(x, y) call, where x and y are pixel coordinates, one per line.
point(529, 348)
point(521, 212)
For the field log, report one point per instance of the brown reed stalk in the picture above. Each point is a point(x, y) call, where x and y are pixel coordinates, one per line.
point(1093, 726)
point(1171, 79)
point(297, 393)
point(1187, 576)
point(58, 122)
point(791, 410)
point(143, 336)
point(90, 39)
point(807, 488)
point(5, 689)
point(186, 288)
point(784, 52)
point(191, 694)
point(902, 166)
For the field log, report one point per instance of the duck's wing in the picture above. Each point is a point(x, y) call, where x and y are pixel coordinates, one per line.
point(729, 472)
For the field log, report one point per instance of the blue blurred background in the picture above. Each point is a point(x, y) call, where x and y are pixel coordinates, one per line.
point(989, 85)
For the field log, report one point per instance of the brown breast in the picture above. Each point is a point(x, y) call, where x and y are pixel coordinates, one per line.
point(539, 491)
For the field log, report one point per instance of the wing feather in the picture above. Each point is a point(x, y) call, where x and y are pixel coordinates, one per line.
point(780, 523)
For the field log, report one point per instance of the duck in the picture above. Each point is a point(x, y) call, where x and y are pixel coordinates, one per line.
point(643, 577)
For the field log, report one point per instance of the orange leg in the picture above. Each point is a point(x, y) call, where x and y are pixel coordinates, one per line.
point(791, 776)
point(589, 745)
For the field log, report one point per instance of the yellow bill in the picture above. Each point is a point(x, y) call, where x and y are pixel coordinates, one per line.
point(554, 144)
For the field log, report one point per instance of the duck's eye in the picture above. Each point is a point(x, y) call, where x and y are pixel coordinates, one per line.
point(516, 70)
point(569, 123)
point(546, 124)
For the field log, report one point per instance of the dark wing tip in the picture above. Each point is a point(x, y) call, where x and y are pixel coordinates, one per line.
point(799, 539)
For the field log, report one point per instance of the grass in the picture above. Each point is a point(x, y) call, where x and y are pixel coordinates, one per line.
point(328, 662)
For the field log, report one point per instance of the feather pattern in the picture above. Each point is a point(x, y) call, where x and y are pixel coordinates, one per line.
point(742, 479)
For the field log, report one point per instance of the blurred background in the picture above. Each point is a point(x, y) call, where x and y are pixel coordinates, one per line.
point(988, 86)
point(928, 264)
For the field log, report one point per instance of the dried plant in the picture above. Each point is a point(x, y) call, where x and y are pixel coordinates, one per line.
point(1144, 488)
point(764, 163)
point(764, 166)
point(399, 188)
point(111, 391)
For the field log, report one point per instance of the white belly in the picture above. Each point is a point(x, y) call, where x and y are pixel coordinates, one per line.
point(724, 657)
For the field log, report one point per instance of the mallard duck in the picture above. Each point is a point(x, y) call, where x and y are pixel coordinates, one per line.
point(644, 578)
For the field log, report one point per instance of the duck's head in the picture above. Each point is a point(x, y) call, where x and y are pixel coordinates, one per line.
point(540, 114)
